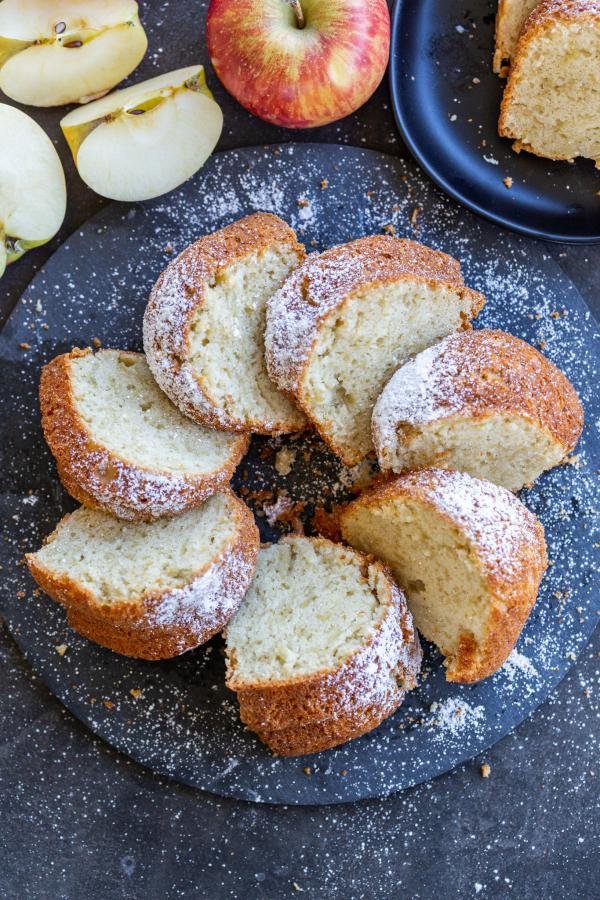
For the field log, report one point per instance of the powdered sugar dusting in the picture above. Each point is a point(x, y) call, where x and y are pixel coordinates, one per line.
point(411, 395)
point(325, 280)
point(205, 605)
point(475, 374)
point(389, 662)
point(518, 663)
point(186, 724)
point(454, 717)
point(170, 318)
point(293, 312)
point(134, 492)
point(372, 680)
point(500, 527)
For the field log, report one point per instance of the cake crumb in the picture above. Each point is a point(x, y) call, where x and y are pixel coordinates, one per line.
point(508, 182)
point(389, 229)
point(307, 770)
point(284, 460)
point(324, 184)
point(24, 345)
point(273, 511)
point(135, 693)
point(61, 649)
point(108, 704)
point(415, 215)
point(287, 511)
point(357, 478)
point(266, 452)
point(485, 770)
point(96, 342)
point(327, 523)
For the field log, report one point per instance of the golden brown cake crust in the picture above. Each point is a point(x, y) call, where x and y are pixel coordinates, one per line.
point(480, 374)
point(176, 297)
point(327, 282)
point(504, 43)
point(161, 624)
point(550, 11)
point(377, 674)
point(545, 15)
point(100, 478)
point(509, 546)
point(299, 740)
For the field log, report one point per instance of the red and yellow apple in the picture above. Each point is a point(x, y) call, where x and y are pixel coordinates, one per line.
point(299, 63)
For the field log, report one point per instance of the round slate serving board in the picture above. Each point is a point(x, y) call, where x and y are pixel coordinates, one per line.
point(180, 720)
point(446, 100)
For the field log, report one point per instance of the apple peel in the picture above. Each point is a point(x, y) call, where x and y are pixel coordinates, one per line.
point(299, 63)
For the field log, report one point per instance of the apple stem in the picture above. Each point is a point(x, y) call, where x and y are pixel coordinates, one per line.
point(297, 7)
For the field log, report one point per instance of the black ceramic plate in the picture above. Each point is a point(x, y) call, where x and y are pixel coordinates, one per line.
point(447, 99)
point(185, 722)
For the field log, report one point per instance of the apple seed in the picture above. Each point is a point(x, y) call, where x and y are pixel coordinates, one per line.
point(73, 45)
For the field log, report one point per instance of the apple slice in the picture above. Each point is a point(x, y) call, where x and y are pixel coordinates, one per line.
point(147, 139)
point(33, 194)
point(69, 50)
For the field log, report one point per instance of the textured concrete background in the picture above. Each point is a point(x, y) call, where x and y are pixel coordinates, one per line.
point(81, 821)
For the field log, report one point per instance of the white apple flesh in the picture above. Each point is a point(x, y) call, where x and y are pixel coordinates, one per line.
point(145, 140)
point(33, 194)
point(69, 50)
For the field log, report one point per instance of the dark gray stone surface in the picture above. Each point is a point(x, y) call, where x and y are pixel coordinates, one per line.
point(81, 821)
